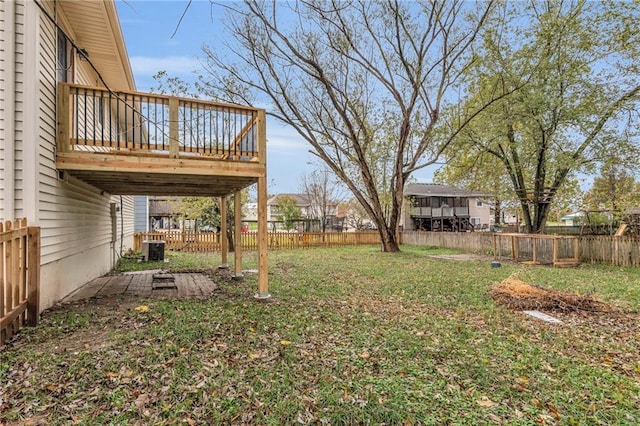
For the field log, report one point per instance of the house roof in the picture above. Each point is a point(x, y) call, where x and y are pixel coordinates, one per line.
point(95, 27)
point(301, 200)
point(440, 190)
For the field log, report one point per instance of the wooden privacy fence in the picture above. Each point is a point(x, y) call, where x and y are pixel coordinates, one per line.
point(19, 277)
point(192, 241)
point(618, 251)
point(475, 242)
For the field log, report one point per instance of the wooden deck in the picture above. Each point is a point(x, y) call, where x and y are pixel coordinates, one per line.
point(134, 143)
point(148, 284)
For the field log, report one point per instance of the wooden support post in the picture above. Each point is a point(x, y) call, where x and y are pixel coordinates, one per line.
point(494, 238)
point(555, 251)
point(224, 241)
point(33, 298)
point(263, 283)
point(64, 115)
point(237, 236)
point(174, 135)
point(263, 276)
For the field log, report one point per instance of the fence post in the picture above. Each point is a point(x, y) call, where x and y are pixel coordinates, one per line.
point(33, 298)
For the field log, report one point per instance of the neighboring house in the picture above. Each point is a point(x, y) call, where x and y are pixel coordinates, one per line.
point(354, 219)
point(437, 207)
point(311, 212)
point(162, 214)
point(77, 142)
point(573, 219)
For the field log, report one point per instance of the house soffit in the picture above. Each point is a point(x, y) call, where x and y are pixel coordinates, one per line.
point(96, 29)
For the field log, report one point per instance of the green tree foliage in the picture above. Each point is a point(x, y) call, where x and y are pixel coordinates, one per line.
point(572, 68)
point(615, 189)
point(288, 212)
point(199, 209)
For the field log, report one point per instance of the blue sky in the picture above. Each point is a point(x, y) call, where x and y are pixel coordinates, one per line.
point(148, 26)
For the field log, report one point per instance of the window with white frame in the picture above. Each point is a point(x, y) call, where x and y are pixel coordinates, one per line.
point(64, 62)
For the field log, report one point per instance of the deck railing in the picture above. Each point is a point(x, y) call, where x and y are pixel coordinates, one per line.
point(19, 277)
point(99, 120)
point(439, 211)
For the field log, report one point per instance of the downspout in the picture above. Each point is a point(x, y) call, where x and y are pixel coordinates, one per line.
point(9, 165)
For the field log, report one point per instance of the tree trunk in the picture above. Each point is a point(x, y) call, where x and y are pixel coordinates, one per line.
point(388, 239)
point(231, 240)
point(497, 212)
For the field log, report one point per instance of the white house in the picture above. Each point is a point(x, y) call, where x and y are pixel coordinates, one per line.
point(77, 142)
point(83, 229)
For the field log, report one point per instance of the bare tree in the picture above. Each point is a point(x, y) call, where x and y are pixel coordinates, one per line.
point(323, 193)
point(363, 82)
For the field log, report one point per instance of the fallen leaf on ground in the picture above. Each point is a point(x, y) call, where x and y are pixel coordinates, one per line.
point(486, 402)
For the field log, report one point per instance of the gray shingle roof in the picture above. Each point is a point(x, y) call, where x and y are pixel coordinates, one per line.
point(440, 190)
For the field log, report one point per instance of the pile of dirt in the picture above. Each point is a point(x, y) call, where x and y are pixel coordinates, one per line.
point(519, 295)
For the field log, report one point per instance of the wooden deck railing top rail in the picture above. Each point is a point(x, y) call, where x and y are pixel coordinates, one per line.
point(99, 120)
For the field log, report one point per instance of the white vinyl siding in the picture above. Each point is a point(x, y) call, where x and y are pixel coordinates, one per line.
point(3, 108)
point(19, 147)
point(74, 216)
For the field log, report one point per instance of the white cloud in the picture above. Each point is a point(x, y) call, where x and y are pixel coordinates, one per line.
point(173, 65)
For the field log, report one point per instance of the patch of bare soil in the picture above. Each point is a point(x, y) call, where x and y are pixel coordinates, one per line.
point(461, 257)
point(517, 294)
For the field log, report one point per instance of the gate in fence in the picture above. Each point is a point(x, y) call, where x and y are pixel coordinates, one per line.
point(19, 277)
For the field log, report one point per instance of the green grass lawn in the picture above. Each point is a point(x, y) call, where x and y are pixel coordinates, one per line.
point(352, 336)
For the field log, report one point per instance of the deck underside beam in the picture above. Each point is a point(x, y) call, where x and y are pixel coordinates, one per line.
point(142, 175)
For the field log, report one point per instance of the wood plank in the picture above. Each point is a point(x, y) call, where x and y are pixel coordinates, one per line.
point(173, 127)
point(94, 161)
point(8, 262)
point(64, 119)
point(21, 290)
point(237, 234)
point(2, 280)
point(13, 314)
point(12, 234)
point(223, 231)
point(33, 266)
point(263, 276)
